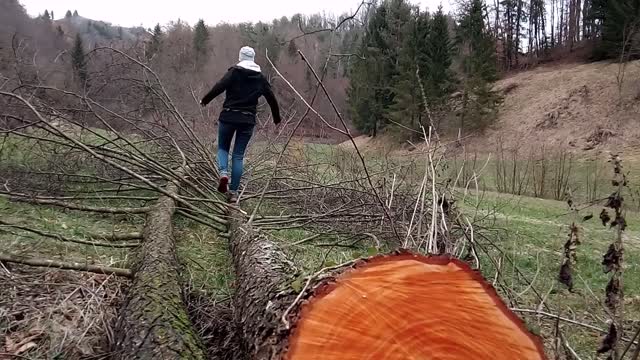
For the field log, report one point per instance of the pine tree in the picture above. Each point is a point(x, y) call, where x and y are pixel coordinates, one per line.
point(78, 59)
point(620, 24)
point(408, 107)
point(52, 16)
point(68, 14)
point(75, 13)
point(438, 77)
point(478, 67)
point(383, 75)
point(200, 38)
point(156, 41)
point(369, 93)
point(292, 49)
point(46, 15)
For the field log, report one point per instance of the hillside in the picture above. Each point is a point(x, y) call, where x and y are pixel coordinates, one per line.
point(577, 106)
point(98, 32)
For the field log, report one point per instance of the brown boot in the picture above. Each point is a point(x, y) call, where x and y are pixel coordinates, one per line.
point(223, 185)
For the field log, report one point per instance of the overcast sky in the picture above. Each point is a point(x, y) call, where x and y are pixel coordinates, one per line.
point(149, 12)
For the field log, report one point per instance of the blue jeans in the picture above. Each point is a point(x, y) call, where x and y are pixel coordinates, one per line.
point(243, 134)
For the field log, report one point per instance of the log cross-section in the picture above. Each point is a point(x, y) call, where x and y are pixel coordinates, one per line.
point(153, 322)
point(396, 306)
point(408, 306)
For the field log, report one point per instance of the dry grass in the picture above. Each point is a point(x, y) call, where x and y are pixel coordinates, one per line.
point(55, 314)
point(568, 105)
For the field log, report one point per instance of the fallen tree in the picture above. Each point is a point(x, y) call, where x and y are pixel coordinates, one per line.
point(153, 323)
point(395, 306)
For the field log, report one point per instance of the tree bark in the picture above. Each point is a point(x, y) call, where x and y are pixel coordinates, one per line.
point(153, 322)
point(517, 35)
point(263, 275)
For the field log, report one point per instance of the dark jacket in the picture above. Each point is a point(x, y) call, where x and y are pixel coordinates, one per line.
point(243, 89)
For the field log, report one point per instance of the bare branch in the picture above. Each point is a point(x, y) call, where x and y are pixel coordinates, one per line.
point(64, 265)
point(68, 239)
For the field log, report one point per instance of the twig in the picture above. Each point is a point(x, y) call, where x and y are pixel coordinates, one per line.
point(72, 206)
point(633, 339)
point(567, 320)
point(305, 240)
point(67, 239)
point(65, 265)
point(566, 345)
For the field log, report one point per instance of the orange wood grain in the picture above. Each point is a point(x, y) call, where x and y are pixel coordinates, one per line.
point(410, 307)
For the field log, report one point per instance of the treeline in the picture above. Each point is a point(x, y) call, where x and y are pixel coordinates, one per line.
point(414, 61)
point(533, 31)
point(189, 58)
point(392, 64)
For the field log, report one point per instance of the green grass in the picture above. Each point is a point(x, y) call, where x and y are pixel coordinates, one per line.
point(204, 257)
point(531, 233)
point(74, 224)
point(587, 179)
point(527, 233)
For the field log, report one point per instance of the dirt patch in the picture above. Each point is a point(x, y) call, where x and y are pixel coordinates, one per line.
point(597, 137)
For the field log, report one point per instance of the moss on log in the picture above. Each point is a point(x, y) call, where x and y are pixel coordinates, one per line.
point(153, 322)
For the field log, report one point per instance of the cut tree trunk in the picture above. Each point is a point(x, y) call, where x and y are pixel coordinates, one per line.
point(408, 306)
point(153, 322)
point(263, 274)
point(397, 306)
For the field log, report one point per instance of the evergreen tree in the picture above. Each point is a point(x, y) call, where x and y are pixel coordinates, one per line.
point(369, 93)
point(78, 59)
point(156, 41)
point(408, 108)
point(46, 15)
point(476, 44)
point(478, 67)
point(68, 14)
point(75, 13)
point(620, 24)
point(438, 77)
point(200, 38)
point(52, 16)
point(292, 49)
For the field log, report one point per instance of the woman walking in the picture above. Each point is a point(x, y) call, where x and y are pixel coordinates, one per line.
point(244, 84)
